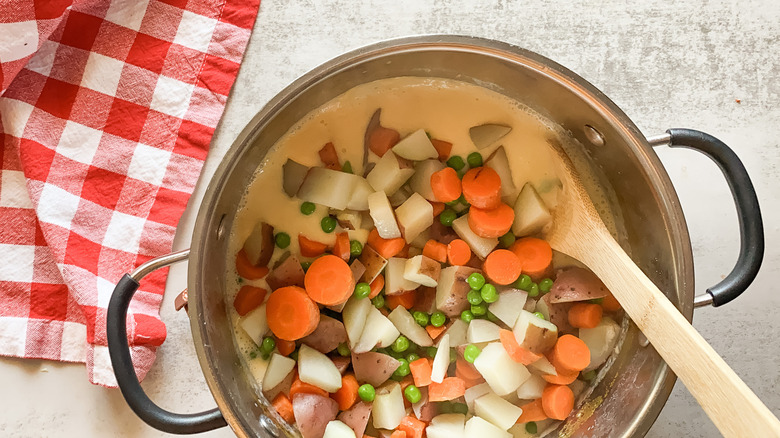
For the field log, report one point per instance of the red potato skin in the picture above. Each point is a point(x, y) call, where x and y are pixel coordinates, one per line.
point(283, 386)
point(327, 336)
point(426, 300)
point(356, 417)
point(342, 363)
point(287, 273)
point(313, 413)
point(373, 367)
point(457, 301)
point(576, 284)
point(441, 233)
point(559, 315)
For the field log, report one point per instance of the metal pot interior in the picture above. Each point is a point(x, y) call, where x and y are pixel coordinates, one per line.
point(632, 392)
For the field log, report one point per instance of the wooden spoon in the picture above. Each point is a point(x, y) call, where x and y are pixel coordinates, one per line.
point(578, 231)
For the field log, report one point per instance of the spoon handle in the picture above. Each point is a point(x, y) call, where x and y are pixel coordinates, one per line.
point(727, 400)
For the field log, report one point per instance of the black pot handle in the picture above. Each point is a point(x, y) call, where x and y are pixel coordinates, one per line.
point(751, 228)
point(119, 351)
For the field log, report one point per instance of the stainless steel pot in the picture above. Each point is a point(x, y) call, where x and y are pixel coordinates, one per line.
point(630, 395)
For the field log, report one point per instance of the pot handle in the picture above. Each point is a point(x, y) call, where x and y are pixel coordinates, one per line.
point(119, 351)
point(751, 227)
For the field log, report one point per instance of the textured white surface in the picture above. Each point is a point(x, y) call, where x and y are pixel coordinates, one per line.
point(678, 64)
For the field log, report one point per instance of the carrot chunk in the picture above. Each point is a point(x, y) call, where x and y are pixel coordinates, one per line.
point(329, 157)
point(557, 401)
point(299, 386)
point(445, 185)
point(435, 250)
point(382, 140)
point(310, 248)
point(515, 351)
point(284, 407)
point(563, 378)
point(532, 411)
point(405, 300)
point(248, 299)
point(421, 372)
point(247, 270)
point(458, 252)
point(444, 148)
point(491, 223)
point(482, 187)
point(376, 286)
point(413, 427)
point(438, 207)
point(285, 347)
point(570, 354)
point(611, 304)
point(385, 247)
point(398, 434)
point(347, 395)
point(341, 247)
point(535, 256)
point(502, 266)
point(449, 389)
point(329, 280)
point(585, 315)
point(435, 332)
point(291, 313)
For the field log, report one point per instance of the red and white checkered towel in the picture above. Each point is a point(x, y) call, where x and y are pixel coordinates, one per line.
point(107, 108)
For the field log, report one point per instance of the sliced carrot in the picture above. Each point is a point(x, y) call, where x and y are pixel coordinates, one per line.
point(435, 332)
point(562, 378)
point(491, 223)
point(284, 408)
point(248, 299)
point(376, 286)
point(329, 157)
point(285, 347)
point(385, 247)
point(458, 252)
point(435, 250)
point(465, 370)
point(469, 382)
point(301, 387)
point(611, 303)
point(444, 148)
point(533, 411)
point(502, 266)
point(585, 315)
point(515, 351)
point(413, 427)
point(347, 395)
point(247, 270)
point(557, 401)
point(438, 207)
point(421, 372)
point(291, 314)
point(310, 248)
point(535, 256)
point(329, 280)
point(445, 185)
point(398, 433)
point(382, 140)
point(404, 252)
point(482, 187)
point(341, 247)
point(570, 354)
point(405, 300)
point(449, 389)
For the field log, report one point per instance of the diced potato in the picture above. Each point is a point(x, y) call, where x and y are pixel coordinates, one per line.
point(452, 290)
point(259, 246)
point(416, 146)
point(373, 262)
point(358, 200)
point(373, 367)
point(479, 245)
point(421, 239)
point(496, 410)
point(478, 427)
point(420, 182)
point(457, 332)
point(337, 429)
point(422, 270)
point(400, 196)
point(481, 330)
point(378, 332)
point(317, 369)
point(485, 135)
point(312, 413)
point(354, 316)
point(503, 374)
point(255, 324)
point(414, 216)
point(532, 388)
point(293, 174)
point(349, 219)
point(510, 303)
point(543, 366)
point(331, 188)
point(442, 360)
point(287, 273)
point(278, 368)
point(382, 213)
point(601, 341)
point(408, 327)
point(577, 386)
point(576, 284)
point(389, 407)
point(531, 215)
point(361, 235)
point(535, 334)
point(476, 392)
point(390, 173)
point(499, 162)
point(556, 313)
point(395, 282)
point(446, 426)
point(358, 270)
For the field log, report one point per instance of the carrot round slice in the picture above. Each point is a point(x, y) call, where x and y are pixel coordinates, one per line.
point(445, 185)
point(482, 187)
point(248, 298)
point(491, 223)
point(562, 378)
point(557, 401)
point(515, 351)
point(535, 256)
point(382, 140)
point(247, 270)
point(329, 280)
point(435, 250)
point(570, 353)
point(502, 266)
point(532, 411)
point(585, 315)
point(376, 286)
point(310, 248)
point(291, 313)
point(458, 252)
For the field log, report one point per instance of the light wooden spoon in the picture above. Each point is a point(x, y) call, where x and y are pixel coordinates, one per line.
point(579, 232)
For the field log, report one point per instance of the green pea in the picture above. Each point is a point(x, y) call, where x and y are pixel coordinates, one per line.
point(347, 167)
point(471, 353)
point(378, 301)
point(362, 290)
point(305, 265)
point(328, 224)
point(400, 344)
point(438, 319)
point(533, 291)
point(460, 408)
point(462, 200)
point(445, 407)
point(456, 162)
point(294, 355)
point(545, 285)
point(268, 344)
point(530, 427)
point(366, 392)
point(479, 309)
point(308, 208)
point(475, 281)
point(431, 351)
point(447, 216)
point(355, 248)
point(421, 318)
point(403, 369)
point(453, 355)
point(467, 316)
point(395, 354)
point(412, 393)
point(524, 282)
point(489, 293)
point(282, 240)
point(596, 301)
point(590, 375)
point(539, 315)
point(474, 159)
point(411, 357)
point(343, 349)
point(474, 297)
point(491, 317)
point(506, 240)
point(265, 355)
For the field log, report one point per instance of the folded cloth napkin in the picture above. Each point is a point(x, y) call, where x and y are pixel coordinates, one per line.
point(107, 108)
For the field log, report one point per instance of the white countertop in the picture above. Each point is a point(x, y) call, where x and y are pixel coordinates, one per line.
point(708, 65)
